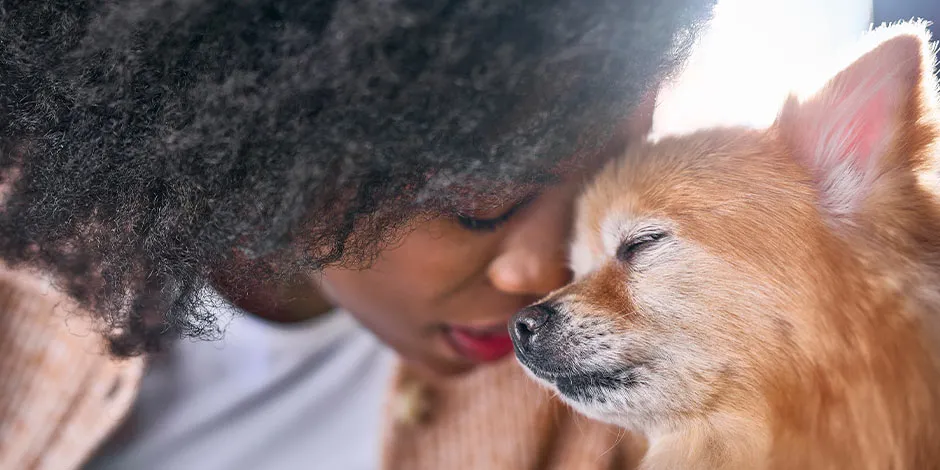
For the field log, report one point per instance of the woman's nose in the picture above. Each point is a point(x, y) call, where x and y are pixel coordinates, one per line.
point(533, 255)
point(527, 271)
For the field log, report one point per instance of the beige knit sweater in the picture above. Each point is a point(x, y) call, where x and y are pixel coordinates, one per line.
point(60, 396)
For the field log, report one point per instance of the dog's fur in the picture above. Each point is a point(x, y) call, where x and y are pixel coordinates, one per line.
point(785, 315)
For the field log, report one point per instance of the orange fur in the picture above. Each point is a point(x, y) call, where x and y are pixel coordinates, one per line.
point(790, 318)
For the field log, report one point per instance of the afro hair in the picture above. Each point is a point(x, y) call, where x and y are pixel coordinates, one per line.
point(146, 144)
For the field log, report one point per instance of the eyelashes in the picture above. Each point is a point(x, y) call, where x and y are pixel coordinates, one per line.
point(483, 225)
point(630, 247)
point(490, 224)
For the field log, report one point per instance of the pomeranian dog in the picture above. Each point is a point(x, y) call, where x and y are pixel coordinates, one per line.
point(765, 299)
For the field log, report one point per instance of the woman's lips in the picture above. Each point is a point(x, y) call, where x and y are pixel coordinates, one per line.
point(480, 344)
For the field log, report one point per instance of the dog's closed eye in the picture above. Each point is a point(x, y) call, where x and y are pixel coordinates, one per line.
point(630, 247)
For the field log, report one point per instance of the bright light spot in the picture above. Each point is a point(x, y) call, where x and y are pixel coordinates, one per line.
point(754, 55)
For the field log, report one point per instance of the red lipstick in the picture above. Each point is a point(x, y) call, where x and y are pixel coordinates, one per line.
point(480, 344)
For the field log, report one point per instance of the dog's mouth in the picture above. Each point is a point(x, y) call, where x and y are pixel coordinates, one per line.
point(544, 347)
point(589, 385)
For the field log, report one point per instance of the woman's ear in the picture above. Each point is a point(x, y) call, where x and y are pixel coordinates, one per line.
point(640, 123)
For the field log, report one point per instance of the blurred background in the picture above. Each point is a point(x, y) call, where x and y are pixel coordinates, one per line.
point(758, 51)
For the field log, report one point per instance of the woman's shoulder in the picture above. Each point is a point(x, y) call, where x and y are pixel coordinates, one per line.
point(62, 393)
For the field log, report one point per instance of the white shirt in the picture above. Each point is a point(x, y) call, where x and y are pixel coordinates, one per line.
point(266, 396)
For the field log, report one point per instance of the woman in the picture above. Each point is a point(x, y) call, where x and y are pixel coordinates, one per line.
point(169, 163)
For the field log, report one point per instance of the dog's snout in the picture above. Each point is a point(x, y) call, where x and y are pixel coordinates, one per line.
point(527, 323)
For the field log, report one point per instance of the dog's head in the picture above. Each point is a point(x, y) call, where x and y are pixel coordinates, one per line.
point(710, 268)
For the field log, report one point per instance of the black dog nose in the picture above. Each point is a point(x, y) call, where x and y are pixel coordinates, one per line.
point(527, 322)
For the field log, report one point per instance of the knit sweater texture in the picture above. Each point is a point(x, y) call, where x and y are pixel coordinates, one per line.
point(61, 395)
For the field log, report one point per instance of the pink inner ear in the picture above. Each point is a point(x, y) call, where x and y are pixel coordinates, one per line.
point(841, 134)
point(872, 126)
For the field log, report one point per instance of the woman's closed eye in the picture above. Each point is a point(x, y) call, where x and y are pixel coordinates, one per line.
point(485, 222)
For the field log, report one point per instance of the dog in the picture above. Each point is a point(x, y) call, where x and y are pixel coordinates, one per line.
point(765, 298)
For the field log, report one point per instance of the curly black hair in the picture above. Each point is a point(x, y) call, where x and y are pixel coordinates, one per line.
point(146, 144)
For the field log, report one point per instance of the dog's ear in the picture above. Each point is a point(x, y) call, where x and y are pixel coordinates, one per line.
point(867, 121)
